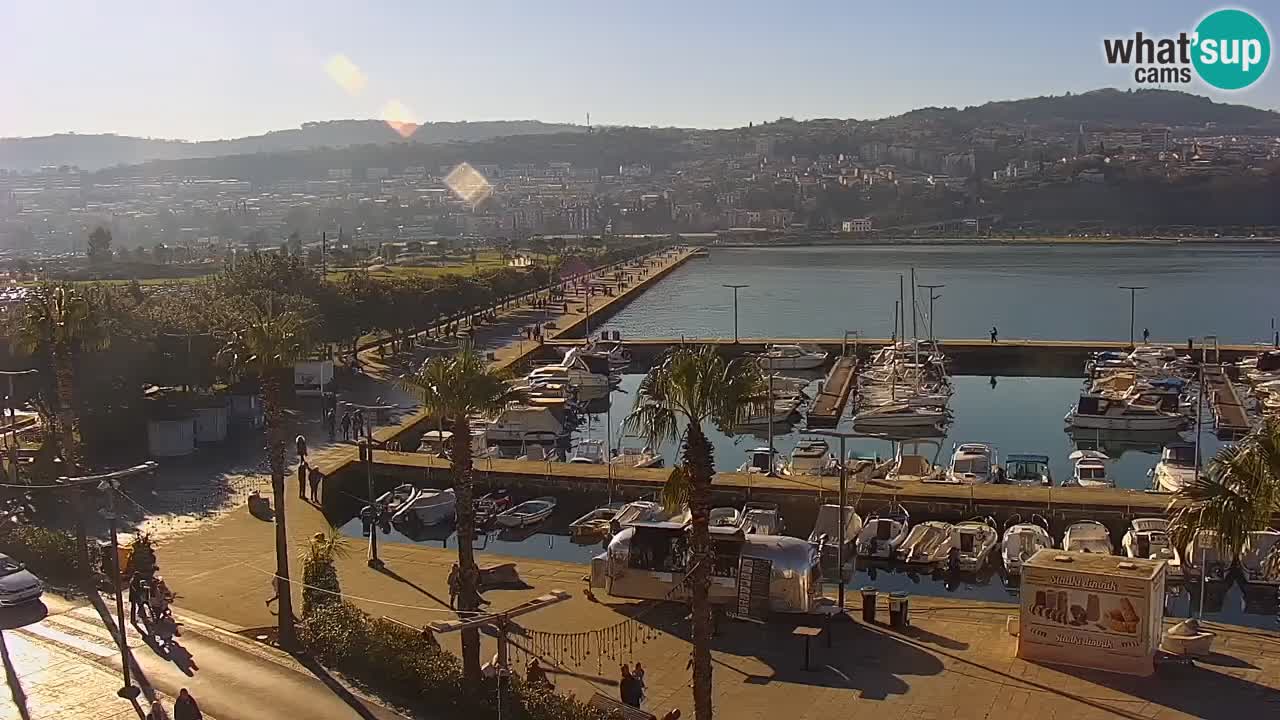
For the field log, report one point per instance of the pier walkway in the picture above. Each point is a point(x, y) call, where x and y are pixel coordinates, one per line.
point(829, 405)
point(1228, 409)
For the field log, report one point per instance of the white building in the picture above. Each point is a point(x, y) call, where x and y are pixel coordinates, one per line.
point(856, 225)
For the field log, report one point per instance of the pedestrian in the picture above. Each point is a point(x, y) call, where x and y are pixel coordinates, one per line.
point(302, 479)
point(185, 707)
point(314, 478)
point(357, 423)
point(301, 443)
point(137, 595)
point(346, 426)
point(627, 687)
point(455, 586)
point(331, 423)
point(995, 334)
point(638, 673)
point(157, 712)
point(1146, 335)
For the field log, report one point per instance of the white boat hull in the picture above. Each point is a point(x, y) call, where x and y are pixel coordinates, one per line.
point(1126, 422)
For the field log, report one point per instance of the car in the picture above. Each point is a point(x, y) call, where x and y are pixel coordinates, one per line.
point(17, 584)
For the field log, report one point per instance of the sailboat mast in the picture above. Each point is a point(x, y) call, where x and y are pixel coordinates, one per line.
point(768, 408)
point(914, 332)
point(902, 303)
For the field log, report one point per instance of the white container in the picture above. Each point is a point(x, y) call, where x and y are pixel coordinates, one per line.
point(171, 438)
point(211, 424)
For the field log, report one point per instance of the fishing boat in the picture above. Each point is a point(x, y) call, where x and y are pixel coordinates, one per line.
point(791, 357)
point(528, 513)
point(1177, 468)
point(973, 540)
point(596, 523)
point(1089, 470)
point(588, 452)
point(928, 543)
point(812, 457)
point(1258, 558)
point(1203, 557)
point(427, 507)
point(1146, 411)
point(636, 458)
point(1088, 536)
point(971, 464)
point(762, 518)
point(912, 465)
point(1148, 539)
point(725, 517)
point(1019, 542)
point(762, 461)
point(900, 414)
point(883, 533)
point(1028, 470)
point(393, 500)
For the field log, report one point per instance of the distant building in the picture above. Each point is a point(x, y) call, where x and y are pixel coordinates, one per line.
point(856, 225)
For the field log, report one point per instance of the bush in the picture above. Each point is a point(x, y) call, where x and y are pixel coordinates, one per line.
point(50, 554)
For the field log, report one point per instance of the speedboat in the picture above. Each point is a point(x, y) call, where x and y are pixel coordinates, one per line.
point(1146, 411)
point(1020, 542)
point(974, 540)
point(883, 533)
point(972, 464)
point(928, 543)
point(761, 518)
point(1258, 558)
point(1176, 469)
point(636, 458)
point(1029, 470)
point(1202, 556)
point(1148, 539)
point(594, 524)
point(762, 461)
point(397, 498)
point(791, 357)
point(427, 507)
point(613, 351)
point(1088, 536)
point(1089, 470)
point(900, 414)
point(812, 457)
point(725, 517)
point(639, 511)
point(588, 452)
point(530, 512)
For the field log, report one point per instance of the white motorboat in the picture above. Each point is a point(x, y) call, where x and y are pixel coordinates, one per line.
point(577, 377)
point(636, 458)
point(785, 383)
point(1203, 554)
point(596, 523)
point(1260, 558)
point(762, 461)
point(826, 528)
point(791, 357)
point(1176, 469)
point(613, 351)
point(588, 452)
point(539, 446)
point(912, 465)
point(440, 443)
point(883, 533)
point(1088, 536)
point(397, 498)
point(900, 414)
point(517, 420)
point(639, 511)
point(1029, 470)
point(1148, 539)
point(530, 512)
point(1146, 411)
point(928, 543)
point(428, 507)
point(812, 457)
point(725, 517)
point(1089, 470)
point(760, 518)
point(782, 409)
point(974, 539)
point(972, 464)
point(1020, 542)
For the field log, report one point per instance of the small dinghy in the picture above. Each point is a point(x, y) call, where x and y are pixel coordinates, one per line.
point(530, 512)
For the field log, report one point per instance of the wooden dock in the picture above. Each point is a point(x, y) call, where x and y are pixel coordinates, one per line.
point(1228, 409)
point(829, 405)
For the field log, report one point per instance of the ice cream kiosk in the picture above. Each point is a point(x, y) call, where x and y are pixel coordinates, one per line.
point(1090, 610)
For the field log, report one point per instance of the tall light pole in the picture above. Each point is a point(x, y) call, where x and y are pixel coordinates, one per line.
point(932, 296)
point(11, 438)
point(736, 288)
point(1133, 295)
point(844, 480)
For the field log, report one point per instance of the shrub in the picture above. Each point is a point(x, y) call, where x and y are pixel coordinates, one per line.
point(319, 576)
point(50, 554)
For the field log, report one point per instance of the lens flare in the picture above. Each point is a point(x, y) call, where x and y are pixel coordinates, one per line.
point(468, 184)
point(399, 118)
point(346, 74)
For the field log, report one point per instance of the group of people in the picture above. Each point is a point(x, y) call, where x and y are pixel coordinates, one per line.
point(631, 685)
point(184, 708)
point(353, 424)
point(308, 476)
point(149, 598)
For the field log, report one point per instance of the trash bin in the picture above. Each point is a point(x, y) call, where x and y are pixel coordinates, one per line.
point(868, 604)
point(899, 611)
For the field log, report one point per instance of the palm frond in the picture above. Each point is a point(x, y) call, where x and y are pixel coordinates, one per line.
point(461, 385)
point(676, 490)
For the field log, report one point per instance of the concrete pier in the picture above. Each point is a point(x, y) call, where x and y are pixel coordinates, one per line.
point(829, 405)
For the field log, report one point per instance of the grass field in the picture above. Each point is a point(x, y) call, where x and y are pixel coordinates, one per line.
point(484, 262)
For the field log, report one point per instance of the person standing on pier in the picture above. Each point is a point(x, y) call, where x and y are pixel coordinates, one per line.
point(1146, 335)
point(995, 334)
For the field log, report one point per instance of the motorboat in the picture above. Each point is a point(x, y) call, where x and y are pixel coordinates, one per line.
point(1088, 536)
point(1029, 470)
point(883, 533)
point(972, 464)
point(1204, 557)
point(826, 528)
point(792, 357)
point(1089, 470)
point(912, 465)
point(517, 420)
point(761, 518)
point(588, 452)
point(427, 507)
point(596, 523)
point(1260, 557)
point(638, 511)
point(1148, 539)
point(786, 383)
point(900, 414)
point(928, 543)
point(637, 458)
point(613, 352)
point(762, 461)
point(1146, 411)
point(725, 517)
point(812, 457)
point(528, 513)
point(440, 444)
point(781, 409)
point(490, 504)
point(398, 497)
point(1019, 542)
point(1177, 468)
point(577, 377)
point(973, 541)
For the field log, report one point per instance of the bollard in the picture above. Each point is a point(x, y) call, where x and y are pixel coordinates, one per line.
point(899, 611)
point(869, 604)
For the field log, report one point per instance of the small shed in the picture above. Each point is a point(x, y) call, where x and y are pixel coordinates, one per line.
point(171, 437)
point(1090, 610)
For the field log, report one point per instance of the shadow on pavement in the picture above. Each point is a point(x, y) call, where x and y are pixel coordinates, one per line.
point(15, 685)
point(30, 613)
point(400, 578)
point(355, 703)
point(1190, 689)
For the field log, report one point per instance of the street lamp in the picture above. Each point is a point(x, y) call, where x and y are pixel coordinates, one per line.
point(932, 296)
point(1133, 293)
point(844, 479)
point(736, 288)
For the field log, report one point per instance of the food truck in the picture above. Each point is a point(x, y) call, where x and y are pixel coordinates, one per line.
point(1090, 610)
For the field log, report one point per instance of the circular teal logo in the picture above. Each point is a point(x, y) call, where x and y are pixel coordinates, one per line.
point(1232, 49)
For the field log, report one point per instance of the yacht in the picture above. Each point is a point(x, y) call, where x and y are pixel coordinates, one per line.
point(1146, 411)
point(974, 540)
point(1089, 469)
point(883, 533)
point(972, 464)
point(578, 376)
point(791, 357)
point(812, 457)
point(1148, 539)
point(1088, 536)
point(1176, 469)
point(1258, 558)
point(1029, 470)
point(900, 414)
point(636, 458)
point(912, 465)
point(762, 461)
point(517, 420)
point(1203, 552)
point(528, 513)
point(928, 543)
point(428, 507)
point(588, 452)
point(1020, 542)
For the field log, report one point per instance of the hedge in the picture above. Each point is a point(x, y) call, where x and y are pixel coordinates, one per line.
point(50, 554)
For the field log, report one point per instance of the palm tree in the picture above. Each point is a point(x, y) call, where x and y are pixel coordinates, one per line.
point(693, 386)
point(455, 388)
point(268, 342)
point(1239, 493)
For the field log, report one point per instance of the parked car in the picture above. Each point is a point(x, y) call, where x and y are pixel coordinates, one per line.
point(17, 584)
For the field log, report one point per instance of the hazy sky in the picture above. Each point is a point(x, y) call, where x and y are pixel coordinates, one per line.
point(224, 68)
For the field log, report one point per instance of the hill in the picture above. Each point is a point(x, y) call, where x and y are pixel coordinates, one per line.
point(92, 152)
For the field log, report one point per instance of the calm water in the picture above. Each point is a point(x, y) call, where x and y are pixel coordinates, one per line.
point(1048, 292)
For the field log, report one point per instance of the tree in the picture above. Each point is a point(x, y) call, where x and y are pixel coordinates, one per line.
point(693, 386)
point(100, 245)
point(453, 389)
point(270, 340)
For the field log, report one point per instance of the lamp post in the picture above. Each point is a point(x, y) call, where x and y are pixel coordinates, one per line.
point(932, 296)
point(735, 288)
point(844, 481)
point(376, 508)
point(1133, 295)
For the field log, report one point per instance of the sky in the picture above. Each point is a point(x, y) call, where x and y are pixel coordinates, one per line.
point(215, 69)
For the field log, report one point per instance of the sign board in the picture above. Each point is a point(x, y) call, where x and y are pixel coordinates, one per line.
point(1096, 611)
point(754, 576)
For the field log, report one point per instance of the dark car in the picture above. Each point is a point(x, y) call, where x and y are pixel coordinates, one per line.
point(17, 584)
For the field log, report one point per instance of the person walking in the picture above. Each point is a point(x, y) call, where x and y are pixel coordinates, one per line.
point(137, 595)
point(995, 334)
point(638, 673)
point(455, 586)
point(301, 443)
point(357, 423)
point(185, 707)
point(1146, 335)
point(627, 688)
point(302, 479)
point(346, 426)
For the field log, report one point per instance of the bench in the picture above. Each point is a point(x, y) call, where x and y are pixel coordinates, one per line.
point(612, 708)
